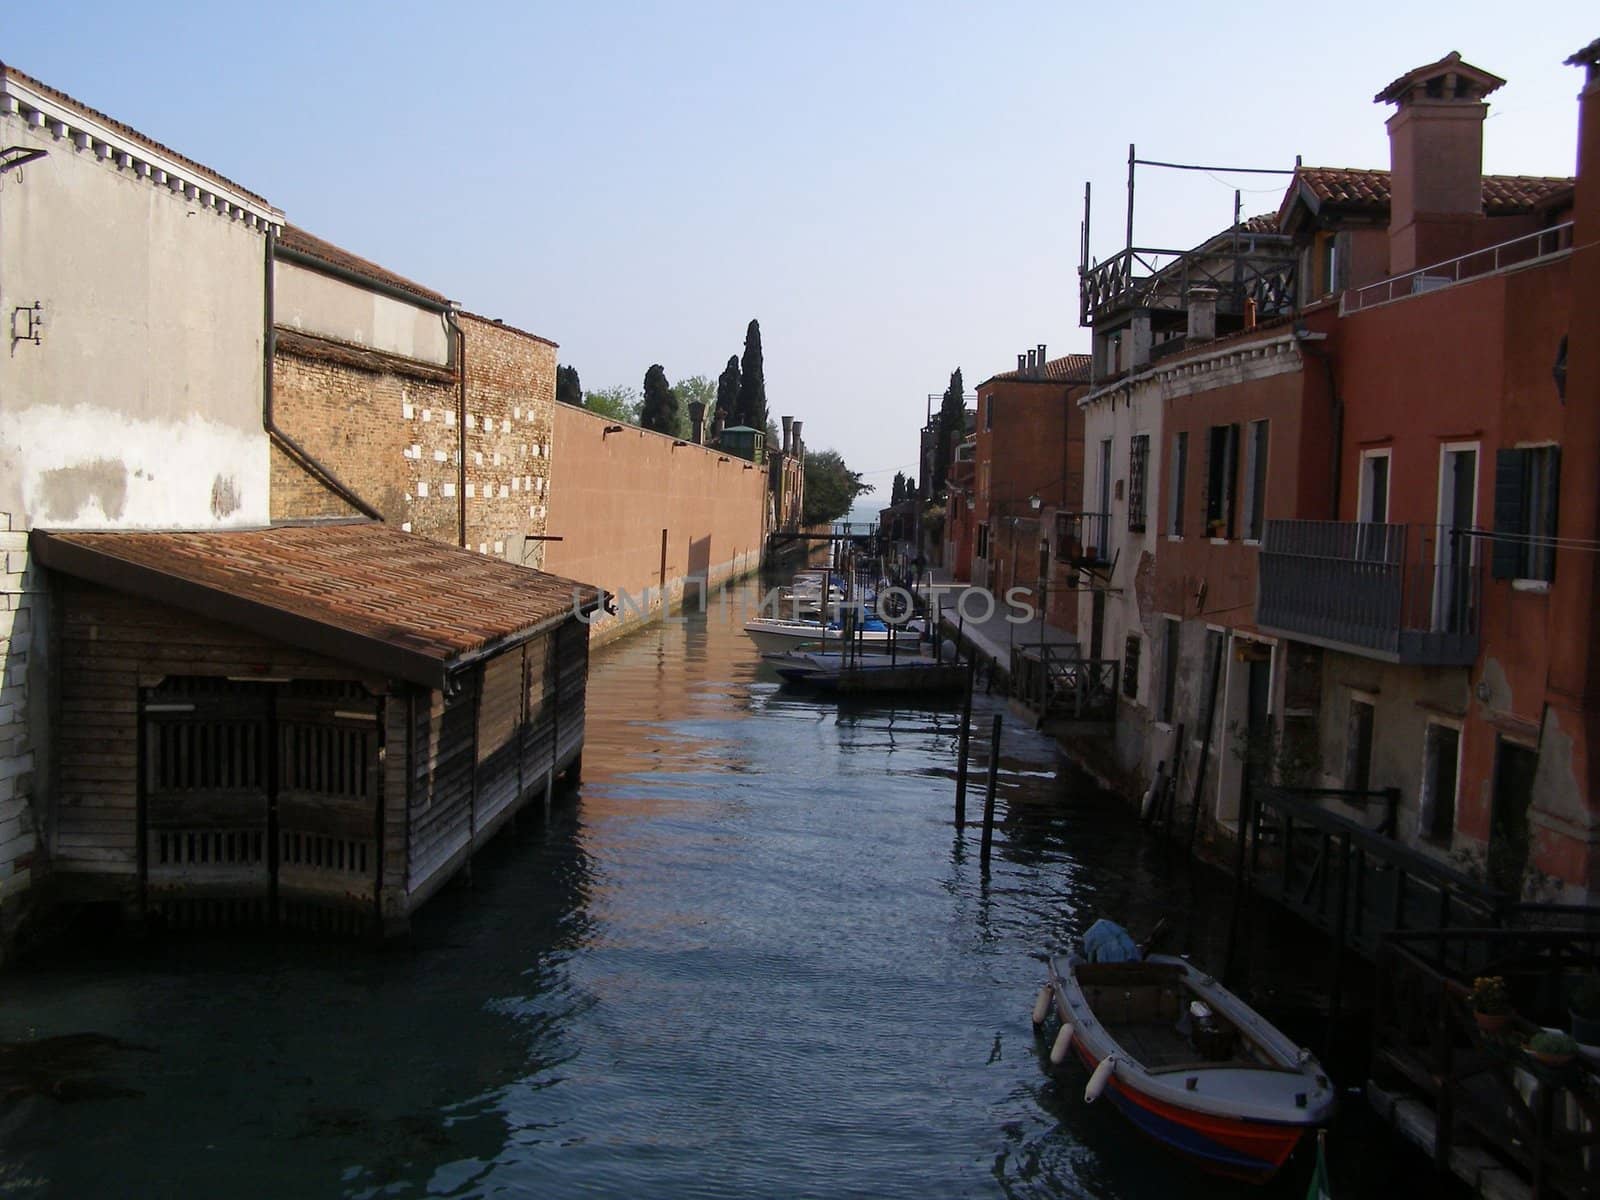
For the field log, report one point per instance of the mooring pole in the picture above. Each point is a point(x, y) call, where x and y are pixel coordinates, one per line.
point(962, 753)
point(988, 797)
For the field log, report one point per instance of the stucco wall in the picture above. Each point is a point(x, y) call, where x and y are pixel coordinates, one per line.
point(141, 404)
point(313, 302)
point(612, 495)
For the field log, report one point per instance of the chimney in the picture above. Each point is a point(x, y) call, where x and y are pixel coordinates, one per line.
point(1022, 364)
point(1030, 362)
point(799, 446)
point(788, 433)
point(1041, 360)
point(697, 419)
point(1202, 314)
point(716, 428)
point(1435, 160)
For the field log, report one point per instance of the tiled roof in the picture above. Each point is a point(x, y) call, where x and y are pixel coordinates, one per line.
point(297, 239)
point(1589, 56)
point(398, 604)
point(128, 131)
point(1071, 368)
point(1357, 189)
point(1260, 223)
point(1450, 64)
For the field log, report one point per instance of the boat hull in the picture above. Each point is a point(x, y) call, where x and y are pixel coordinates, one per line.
point(1249, 1151)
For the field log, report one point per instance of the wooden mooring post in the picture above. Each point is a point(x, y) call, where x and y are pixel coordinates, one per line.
point(965, 744)
point(988, 797)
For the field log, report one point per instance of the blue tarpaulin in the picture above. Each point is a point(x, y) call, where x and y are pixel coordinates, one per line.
point(1108, 942)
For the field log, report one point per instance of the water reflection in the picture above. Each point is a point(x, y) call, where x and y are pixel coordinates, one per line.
point(755, 956)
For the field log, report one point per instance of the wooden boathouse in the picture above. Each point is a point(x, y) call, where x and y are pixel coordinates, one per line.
point(310, 726)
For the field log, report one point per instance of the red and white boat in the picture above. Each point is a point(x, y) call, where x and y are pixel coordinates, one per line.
point(1187, 1061)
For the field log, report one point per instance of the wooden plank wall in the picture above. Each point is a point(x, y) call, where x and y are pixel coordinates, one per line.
point(108, 646)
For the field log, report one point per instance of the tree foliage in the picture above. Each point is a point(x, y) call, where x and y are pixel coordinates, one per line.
point(951, 429)
point(728, 391)
point(902, 490)
point(831, 488)
point(659, 410)
point(619, 403)
point(751, 409)
point(568, 389)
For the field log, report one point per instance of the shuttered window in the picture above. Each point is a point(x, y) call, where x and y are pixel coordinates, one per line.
point(1221, 469)
point(1180, 479)
point(1138, 469)
point(1130, 667)
point(1526, 485)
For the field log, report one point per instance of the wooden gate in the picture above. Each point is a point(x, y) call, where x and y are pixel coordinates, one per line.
point(260, 803)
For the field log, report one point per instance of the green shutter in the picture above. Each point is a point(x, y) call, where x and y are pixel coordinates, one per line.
point(1510, 512)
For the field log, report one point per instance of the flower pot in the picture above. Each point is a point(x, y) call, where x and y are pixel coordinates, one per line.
point(1491, 1022)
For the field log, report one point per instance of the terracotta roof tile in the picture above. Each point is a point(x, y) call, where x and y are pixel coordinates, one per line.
point(1364, 190)
point(128, 131)
point(1070, 368)
point(1450, 64)
point(297, 239)
point(396, 603)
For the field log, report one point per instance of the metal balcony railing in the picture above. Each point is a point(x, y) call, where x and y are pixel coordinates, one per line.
point(1401, 593)
point(1528, 248)
point(1082, 539)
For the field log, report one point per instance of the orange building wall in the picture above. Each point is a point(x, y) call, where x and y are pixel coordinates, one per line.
point(612, 495)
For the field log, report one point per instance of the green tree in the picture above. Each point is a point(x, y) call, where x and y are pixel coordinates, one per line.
point(952, 428)
point(898, 493)
point(619, 403)
point(659, 411)
point(728, 391)
point(831, 488)
point(752, 407)
point(568, 389)
point(696, 387)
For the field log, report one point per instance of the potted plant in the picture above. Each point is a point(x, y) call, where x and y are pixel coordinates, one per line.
point(1490, 1004)
point(1551, 1048)
point(1584, 1008)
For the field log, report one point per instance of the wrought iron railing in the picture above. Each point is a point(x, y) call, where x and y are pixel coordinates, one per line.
point(1405, 593)
point(1480, 1082)
point(1083, 539)
point(1519, 250)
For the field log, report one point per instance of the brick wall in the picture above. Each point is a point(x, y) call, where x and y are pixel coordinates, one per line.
point(17, 598)
point(511, 392)
point(387, 427)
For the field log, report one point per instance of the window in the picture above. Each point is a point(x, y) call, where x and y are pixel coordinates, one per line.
point(1440, 760)
point(982, 550)
point(1255, 481)
point(1172, 632)
point(1180, 478)
point(1105, 476)
point(1526, 485)
point(1221, 467)
point(1130, 667)
point(1358, 747)
point(987, 404)
point(1138, 466)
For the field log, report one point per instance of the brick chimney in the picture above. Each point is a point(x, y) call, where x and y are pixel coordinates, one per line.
point(1435, 160)
point(788, 434)
point(697, 420)
point(1202, 314)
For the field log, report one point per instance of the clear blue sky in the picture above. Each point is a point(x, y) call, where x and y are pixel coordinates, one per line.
point(893, 189)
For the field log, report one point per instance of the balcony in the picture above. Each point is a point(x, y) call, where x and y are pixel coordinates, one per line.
point(1082, 539)
point(1407, 594)
point(1491, 260)
point(1144, 277)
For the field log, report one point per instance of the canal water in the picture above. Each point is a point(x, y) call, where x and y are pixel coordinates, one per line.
point(753, 956)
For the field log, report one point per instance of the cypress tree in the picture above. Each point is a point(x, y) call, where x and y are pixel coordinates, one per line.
point(752, 406)
point(568, 389)
point(952, 428)
point(727, 392)
point(660, 409)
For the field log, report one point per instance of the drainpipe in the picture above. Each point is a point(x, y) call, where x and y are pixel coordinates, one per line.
point(453, 320)
point(298, 453)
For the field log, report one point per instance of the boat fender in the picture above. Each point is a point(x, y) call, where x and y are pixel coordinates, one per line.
point(1063, 1043)
point(1041, 1006)
point(1101, 1077)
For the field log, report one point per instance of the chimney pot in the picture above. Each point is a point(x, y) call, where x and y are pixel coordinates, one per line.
point(697, 419)
point(1041, 360)
point(1022, 364)
point(788, 434)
